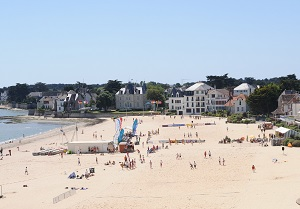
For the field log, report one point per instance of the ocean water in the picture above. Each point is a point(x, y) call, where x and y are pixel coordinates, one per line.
point(15, 131)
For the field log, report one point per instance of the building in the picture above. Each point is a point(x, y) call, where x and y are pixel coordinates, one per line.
point(4, 96)
point(194, 101)
point(244, 88)
point(288, 103)
point(216, 99)
point(132, 97)
point(76, 101)
point(237, 104)
point(60, 102)
point(175, 100)
point(47, 102)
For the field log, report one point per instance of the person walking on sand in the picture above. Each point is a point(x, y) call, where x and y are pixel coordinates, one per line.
point(219, 160)
point(195, 165)
point(96, 160)
point(253, 168)
point(150, 164)
point(223, 161)
point(26, 171)
point(161, 162)
point(205, 154)
point(79, 162)
point(209, 154)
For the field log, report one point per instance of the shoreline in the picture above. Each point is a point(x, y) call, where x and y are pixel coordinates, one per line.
point(67, 124)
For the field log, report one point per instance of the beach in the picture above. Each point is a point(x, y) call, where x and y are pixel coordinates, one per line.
point(172, 185)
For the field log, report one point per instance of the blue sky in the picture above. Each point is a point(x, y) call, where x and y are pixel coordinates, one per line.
point(163, 41)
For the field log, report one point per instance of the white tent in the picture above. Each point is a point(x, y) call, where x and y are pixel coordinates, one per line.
point(282, 130)
point(86, 146)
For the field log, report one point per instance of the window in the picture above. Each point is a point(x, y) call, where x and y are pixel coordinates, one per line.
point(237, 109)
point(242, 109)
point(240, 102)
point(187, 99)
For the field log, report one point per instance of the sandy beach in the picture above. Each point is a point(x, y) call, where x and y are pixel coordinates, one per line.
point(172, 185)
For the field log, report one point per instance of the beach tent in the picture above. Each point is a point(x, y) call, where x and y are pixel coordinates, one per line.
point(89, 146)
point(282, 132)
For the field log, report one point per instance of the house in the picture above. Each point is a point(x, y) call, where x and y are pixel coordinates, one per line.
point(175, 100)
point(237, 104)
point(47, 102)
point(244, 88)
point(4, 96)
point(76, 101)
point(195, 98)
point(288, 103)
point(216, 99)
point(132, 97)
point(60, 102)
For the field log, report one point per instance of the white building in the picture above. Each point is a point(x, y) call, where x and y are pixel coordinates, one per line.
point(216, 99)
point(60, 103)
point(175, 100)
point(244, 88)
point(195, 98)
point(4, 96)
point(131, 97)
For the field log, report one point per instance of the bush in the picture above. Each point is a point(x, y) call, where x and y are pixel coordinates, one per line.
point(296, 143)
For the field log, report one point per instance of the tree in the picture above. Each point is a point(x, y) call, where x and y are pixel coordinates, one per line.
point(113, 86)
point(104, 100)
point(217, 81)
point(264, 99)
point(289, 82)
point(18, 93)
point(40, 87)
point(156, 94)
point(68, 88)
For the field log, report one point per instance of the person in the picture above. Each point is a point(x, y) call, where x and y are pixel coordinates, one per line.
point(79, 162)
point(191, 165)
point(96, 160)
point(219, 160)
point(205, 154)
point(195, 165)
point(26, 171)
point(253, 168)
point(209, 154)
point(161, 162)
point(223, 161)
point(150, 164)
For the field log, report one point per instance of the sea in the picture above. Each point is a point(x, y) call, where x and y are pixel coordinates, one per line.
point(11, 130)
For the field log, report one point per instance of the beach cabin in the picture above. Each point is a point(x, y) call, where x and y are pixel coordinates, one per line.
point(89, 146)
point(283, 132)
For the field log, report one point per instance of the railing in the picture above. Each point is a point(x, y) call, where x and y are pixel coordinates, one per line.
point(64, 196)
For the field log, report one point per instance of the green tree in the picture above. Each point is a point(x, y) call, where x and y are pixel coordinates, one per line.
point(40, 87)
point(18, 92)
point(264, 99)
point(113, 86)
point(104, 100)
point(68, 88)
point(156, 94)
point(289, 82)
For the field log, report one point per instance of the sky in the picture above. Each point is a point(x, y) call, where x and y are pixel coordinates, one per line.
point(163, 41)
